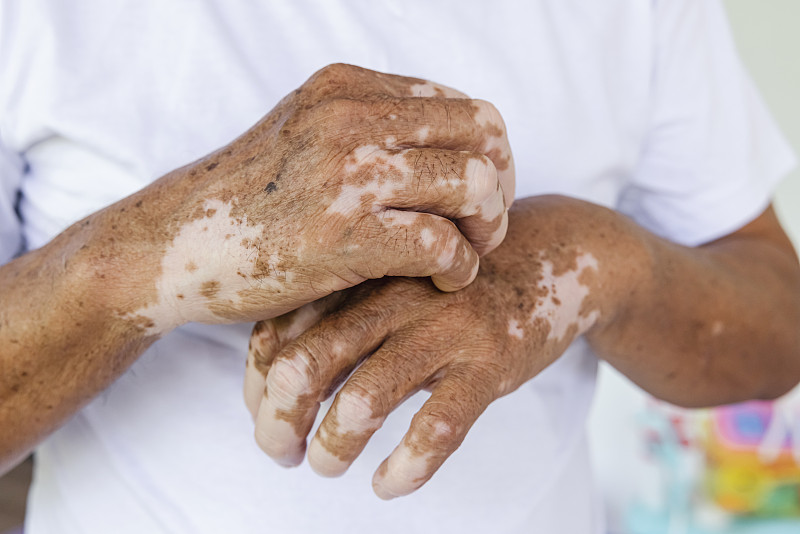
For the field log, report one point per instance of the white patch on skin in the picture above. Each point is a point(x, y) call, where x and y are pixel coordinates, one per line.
point(203, 242)
point(440, 429)
point(404, 468)
point(515, 330)
point(351, 198)
point(428, 238)
point(390, 142)
point(448, 254)
point(392, 117)
point(571, 294)
point(717, 328)
point(304, 318)
point(428, 89)
point(353, 416)
point(363, 154)
point(423, 90)
point(423, 133)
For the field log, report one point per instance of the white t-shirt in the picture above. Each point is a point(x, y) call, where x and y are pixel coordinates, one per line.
point(634, 104)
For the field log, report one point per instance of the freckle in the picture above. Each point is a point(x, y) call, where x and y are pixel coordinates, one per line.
point(180, 296)
point(210, 212)
point(205, 228)
point(49, 406)
point(191, 267)
point(211, 166)
point(209, 289)
point(149, 324)
point(113, 226)
point(24, 373)
point(556, 301)
point(139, 204)
point(271, 187)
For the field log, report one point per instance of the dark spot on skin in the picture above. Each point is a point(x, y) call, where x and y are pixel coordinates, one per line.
point(24, 373)
point(211, 212)
point(180, 296)
point(271, 187)
point(518, 290)
point(138, 204)
point(211, 166)
point(209, 289)
point(556, 300)
point(191, 267)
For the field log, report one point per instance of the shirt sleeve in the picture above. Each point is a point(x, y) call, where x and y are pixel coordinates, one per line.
point(11, 171)
point(712, 155)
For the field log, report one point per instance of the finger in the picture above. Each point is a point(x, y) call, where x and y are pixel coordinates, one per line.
point(341, 80)
point(270, 336)
point(457, 185)
point(409, 243)
point(453, 124)
point(264, 344)
point(305, 373)
point(394, 372)
point(436, 431)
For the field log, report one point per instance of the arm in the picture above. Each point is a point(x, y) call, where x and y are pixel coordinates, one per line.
point(710, 325)
point(695, 326)
point(355, 175)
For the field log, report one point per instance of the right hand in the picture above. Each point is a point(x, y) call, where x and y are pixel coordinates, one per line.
point(355, 175)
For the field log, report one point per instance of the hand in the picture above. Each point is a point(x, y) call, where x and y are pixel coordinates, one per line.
point(355, 175)
point(533, 296)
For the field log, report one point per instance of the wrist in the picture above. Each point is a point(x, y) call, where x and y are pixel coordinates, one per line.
point(608, 255)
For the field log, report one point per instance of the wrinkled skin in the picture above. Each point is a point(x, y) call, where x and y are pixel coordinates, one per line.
point(530, 300)
point(688, 325)
point(355, 175)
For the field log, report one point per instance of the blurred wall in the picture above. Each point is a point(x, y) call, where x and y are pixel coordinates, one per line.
point(767, 33)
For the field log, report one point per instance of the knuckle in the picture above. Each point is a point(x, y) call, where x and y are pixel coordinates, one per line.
point(488, 114)
point(435, 430)
point(339, 115)
point(357, 407)
point(334, 73)
point(482, 176)
point(290, 378)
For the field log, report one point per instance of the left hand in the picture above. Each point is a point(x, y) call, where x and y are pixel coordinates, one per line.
point(532, 297)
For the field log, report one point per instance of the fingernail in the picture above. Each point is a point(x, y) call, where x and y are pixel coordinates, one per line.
point(382, 492)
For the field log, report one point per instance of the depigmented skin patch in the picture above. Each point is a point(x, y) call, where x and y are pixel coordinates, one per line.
point(356, 175)
point(243, 234)
point(534, 295)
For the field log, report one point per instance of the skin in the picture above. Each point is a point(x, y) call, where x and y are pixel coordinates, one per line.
point(355, 175)
point(695, 326)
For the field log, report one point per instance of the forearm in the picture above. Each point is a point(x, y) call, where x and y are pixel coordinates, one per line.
point(63, 332)
point(710, 325)
point(695, 326)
